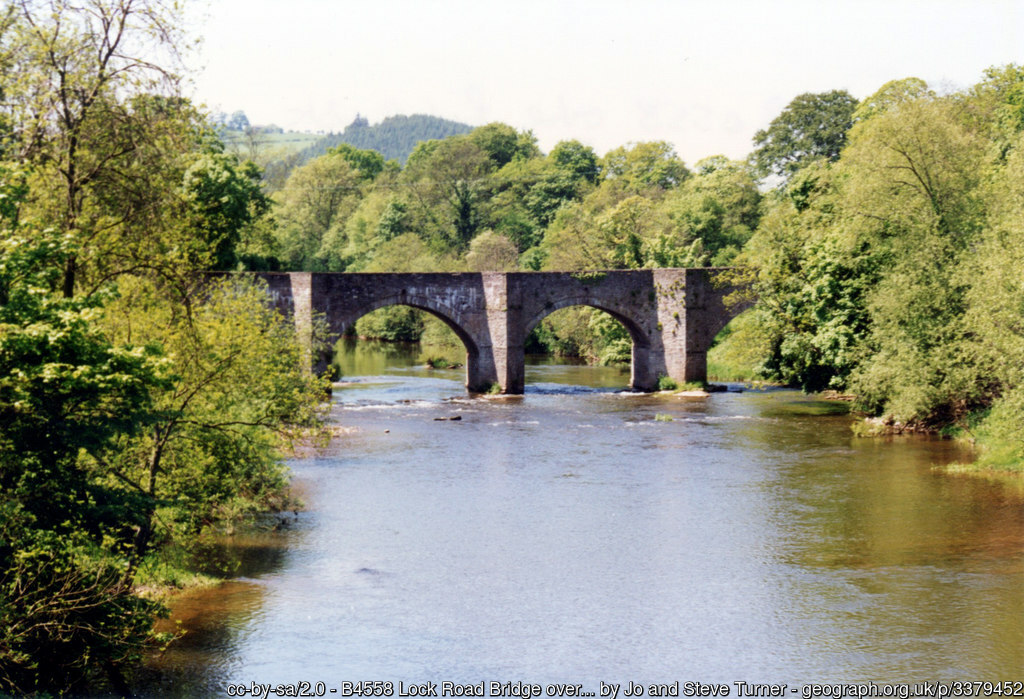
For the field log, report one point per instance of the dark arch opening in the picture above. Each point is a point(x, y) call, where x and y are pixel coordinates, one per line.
point(428, 309)
point(608, 337)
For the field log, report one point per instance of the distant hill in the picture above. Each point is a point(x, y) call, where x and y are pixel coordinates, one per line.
point(394, 137)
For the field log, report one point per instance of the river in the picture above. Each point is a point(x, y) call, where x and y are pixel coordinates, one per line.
point(584, 534)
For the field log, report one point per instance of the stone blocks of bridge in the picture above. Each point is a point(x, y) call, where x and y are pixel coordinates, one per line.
point(672, 315)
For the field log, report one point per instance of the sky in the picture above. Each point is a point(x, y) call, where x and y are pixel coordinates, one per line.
point(702, 75)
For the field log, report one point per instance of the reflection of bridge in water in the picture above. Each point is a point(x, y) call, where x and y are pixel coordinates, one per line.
point(672, 315)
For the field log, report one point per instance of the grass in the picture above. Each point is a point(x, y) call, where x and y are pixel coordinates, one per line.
point(289, 142)
point(168, 570)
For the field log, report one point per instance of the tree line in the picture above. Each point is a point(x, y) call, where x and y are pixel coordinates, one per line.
point(394, 137)
point(880, 238)
point(891, 269)
point(491, 200)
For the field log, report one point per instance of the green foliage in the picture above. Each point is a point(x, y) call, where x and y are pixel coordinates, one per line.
point(65, 617)
point(503, 144)
point(313, 209)
point(578, 160)
point(564, 333)
point(894, 272)
point(407, 253)
point(719, 207)
point(440, 338)
point(239, 389)
point(612, 343)
point(999, 435)
point(812, 126)
point(815, 330)
point(99, 136)
point(126, 420)
point(997, 103)
point(918, 169)
point(223, 200)
point(667, 383)
point(891, 96)
point(393, 220)
point(393, 323)
point(448, 186)
point(641, 166)
point(855, 261)
point(739, 350)
point(66, 608)
point(582, 331)
point(705, 219)
point(367, 163)
point(492, 252)
point(435, 362)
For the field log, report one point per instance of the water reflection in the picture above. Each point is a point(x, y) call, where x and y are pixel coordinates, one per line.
point(369, 358)
point(581, 535)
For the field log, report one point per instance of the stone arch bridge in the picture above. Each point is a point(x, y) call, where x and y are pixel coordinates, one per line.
point(672, 315)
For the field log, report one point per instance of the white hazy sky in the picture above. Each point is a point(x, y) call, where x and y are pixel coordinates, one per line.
point(703, 75)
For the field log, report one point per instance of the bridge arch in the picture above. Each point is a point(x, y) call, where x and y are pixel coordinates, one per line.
point(640, 342)
point(448, 315)
point(438, 310)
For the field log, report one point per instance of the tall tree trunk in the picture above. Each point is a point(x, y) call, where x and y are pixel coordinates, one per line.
point(70, 267)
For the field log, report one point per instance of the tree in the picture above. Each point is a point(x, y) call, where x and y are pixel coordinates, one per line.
point(239, 389)
point(719, 206)
point(447, 181)
point(858, 262)
point(368, 163)
point(381, 216)
point(492, 252)
point(891, 95)
point(915, 178)
point(995, 299)
point(223, 200)
point(576, 158)
point(812, 126)
point(112, 409)
point(502, 143)
point(238, 121)
point(642, 166)
point(67, 611)
point(318, 198)
point(569, 173)
point(75, 71)
point(997, 103)
point(811, 283)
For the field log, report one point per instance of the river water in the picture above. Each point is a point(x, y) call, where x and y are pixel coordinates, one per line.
point(585, 534)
